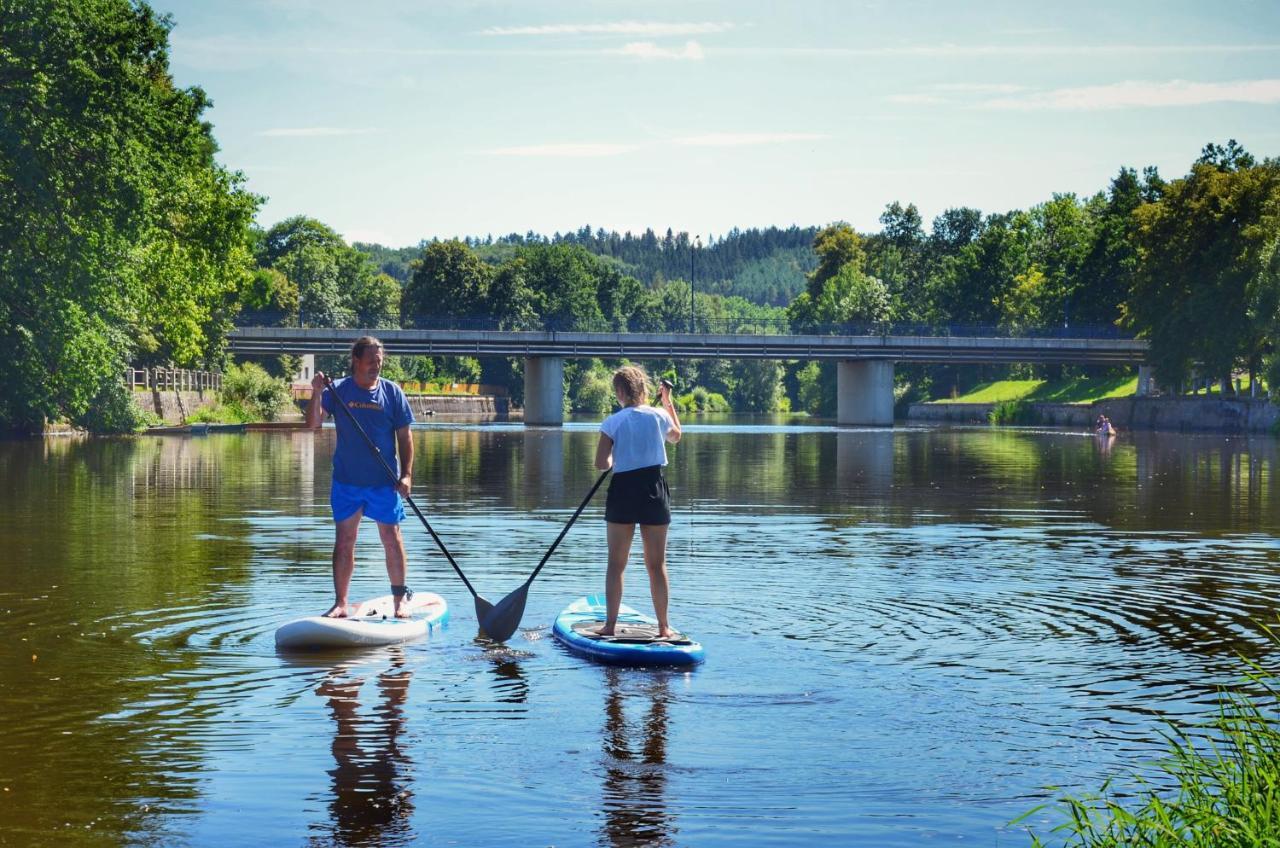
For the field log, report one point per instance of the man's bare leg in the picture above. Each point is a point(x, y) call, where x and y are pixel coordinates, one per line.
point(344, 562)
point(619, 537)
point(393, 545)
point(654, 539)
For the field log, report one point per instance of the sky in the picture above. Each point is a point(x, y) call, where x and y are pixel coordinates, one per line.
point(395, 121)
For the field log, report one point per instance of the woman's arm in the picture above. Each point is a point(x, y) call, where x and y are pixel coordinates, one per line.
point(604, 453)
point(673, 435)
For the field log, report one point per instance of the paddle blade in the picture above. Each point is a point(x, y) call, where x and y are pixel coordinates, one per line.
point(483, 608)
point(504, 618)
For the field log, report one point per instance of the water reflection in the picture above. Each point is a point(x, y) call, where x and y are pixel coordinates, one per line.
point(371, 801)
point(543, 464)
point(509, 681)
point(635, 756)
point(864, 458)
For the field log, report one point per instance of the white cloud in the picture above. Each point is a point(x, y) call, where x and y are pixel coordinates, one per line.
point(980, 88)
point(915, 99)
point(1137, 94)
point(744, 139)
point(651, 29)
point(315, 132)
point(572, 149)
point(952, 50)
point(649, 50)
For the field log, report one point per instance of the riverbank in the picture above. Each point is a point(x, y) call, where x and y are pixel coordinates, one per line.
point(1177, 414)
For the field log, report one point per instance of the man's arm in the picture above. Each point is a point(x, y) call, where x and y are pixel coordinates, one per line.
point(315, 412)
point(404, 443)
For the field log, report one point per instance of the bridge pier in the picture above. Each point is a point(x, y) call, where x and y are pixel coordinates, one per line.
point(544, 390)
point(864, 392)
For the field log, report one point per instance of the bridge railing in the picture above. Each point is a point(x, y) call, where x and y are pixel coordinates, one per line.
point(341, 319)
point(172, 379)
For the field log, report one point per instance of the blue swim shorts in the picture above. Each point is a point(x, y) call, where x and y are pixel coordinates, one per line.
point(381, 503)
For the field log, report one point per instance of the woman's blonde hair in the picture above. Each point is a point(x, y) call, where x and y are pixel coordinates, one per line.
point(632, 384)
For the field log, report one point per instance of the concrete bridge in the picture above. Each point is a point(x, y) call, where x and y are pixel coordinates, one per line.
point(864, 372)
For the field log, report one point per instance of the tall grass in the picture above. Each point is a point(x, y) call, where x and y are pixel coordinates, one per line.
point(1223, 777)
point(1012, 412)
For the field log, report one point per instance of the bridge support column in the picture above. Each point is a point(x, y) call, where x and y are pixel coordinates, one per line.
point(544, 390)
point(1144, 380)
point(864, 392)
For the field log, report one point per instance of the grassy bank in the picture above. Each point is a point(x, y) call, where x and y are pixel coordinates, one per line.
point(1222, 778)
point(1083, 390)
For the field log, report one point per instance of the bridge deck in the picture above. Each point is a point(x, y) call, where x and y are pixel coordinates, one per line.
point(482, 343)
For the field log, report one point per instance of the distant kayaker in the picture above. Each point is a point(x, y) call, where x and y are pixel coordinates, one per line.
point(632, 442)
point(1105, 427)
point(360, 484)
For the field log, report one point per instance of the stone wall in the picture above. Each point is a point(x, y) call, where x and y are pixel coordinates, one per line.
point(424, 405)
point(173, 406)
point(1192, 414)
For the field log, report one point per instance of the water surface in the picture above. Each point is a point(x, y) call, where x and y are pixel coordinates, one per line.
point(909, 634)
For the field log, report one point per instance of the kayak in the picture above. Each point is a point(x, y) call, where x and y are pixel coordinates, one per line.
point(636, 641)
point(371, 623)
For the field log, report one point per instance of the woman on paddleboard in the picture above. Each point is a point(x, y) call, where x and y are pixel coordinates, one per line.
point(633, 443)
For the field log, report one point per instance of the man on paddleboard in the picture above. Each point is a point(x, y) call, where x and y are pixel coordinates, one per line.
point(360, 484)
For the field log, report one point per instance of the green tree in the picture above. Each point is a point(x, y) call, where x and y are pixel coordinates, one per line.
point(121, 236)
point(375, 300)
point(314, 270)
point(448, 281)
point(1204, 252)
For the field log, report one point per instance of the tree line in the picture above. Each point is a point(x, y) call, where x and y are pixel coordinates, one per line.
point(123, 241)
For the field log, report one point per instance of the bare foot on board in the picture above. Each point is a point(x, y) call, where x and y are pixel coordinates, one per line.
point(604, 631)
point(337, 611)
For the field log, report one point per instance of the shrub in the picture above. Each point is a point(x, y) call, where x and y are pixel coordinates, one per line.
point(257, 394)
point(1012, 412)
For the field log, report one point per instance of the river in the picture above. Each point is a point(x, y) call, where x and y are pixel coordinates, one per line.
point(910, 633)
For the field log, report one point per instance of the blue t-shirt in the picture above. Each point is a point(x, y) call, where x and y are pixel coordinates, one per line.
point(381, 411)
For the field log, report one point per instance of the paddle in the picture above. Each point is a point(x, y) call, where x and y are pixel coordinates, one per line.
point(505, 616)
point(483, 607)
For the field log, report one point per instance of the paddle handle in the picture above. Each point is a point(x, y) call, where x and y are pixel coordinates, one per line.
point(395, 480)
point(576, 513)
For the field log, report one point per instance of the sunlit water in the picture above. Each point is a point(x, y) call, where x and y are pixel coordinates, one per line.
point(909, 634)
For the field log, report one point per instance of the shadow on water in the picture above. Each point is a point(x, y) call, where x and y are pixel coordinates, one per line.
point(636, 809)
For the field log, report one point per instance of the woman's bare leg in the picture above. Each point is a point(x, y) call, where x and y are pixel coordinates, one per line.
point(619, 537)
point(654, 538)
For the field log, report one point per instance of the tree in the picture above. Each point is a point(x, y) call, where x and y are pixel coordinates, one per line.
point(449, 280)
point(121, 235)
point(1205, 266)
point(376, 301)
point(314, 270)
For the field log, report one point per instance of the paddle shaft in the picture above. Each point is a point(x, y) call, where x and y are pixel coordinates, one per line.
point(576, 513)
point(395, 480)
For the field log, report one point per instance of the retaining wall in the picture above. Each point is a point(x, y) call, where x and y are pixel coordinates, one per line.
point(173, 406)
point(1213, 415)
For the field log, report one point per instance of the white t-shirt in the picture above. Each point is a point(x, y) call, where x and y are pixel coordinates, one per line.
point(639, 437)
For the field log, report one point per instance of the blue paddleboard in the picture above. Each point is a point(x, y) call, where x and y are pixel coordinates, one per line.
point(635, 643)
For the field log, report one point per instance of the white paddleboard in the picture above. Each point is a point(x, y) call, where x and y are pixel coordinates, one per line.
point(371, 623)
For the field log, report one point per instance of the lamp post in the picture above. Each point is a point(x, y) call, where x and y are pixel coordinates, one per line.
point(693, 252)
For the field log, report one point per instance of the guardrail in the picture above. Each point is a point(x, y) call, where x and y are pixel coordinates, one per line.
point(682, 324)
point(172, 379)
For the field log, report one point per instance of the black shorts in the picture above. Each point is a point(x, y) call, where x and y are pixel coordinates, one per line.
point(638, 497)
